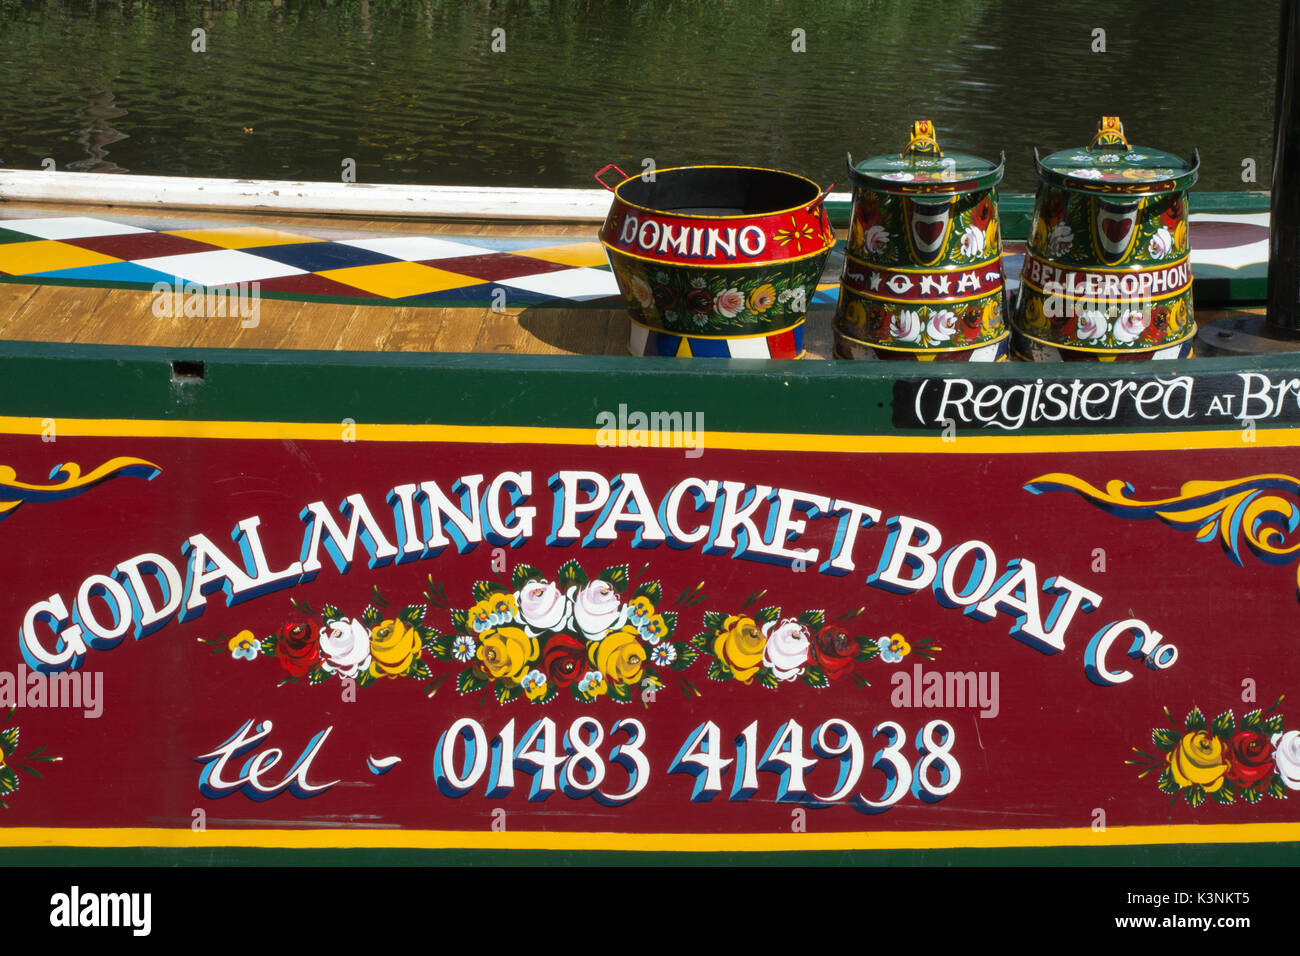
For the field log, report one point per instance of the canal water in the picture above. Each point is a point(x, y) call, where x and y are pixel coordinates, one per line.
point(537, 93)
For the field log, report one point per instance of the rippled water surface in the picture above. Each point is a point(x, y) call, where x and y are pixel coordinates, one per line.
point(414, 92)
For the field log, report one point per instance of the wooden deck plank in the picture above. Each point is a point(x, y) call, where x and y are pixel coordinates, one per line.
point(54, 313)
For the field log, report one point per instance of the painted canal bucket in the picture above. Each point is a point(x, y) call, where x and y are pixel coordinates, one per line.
point(717, 260)
point(923, 268)
point(1107, 273)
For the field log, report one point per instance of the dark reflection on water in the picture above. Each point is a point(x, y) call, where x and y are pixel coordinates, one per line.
point(414, 92)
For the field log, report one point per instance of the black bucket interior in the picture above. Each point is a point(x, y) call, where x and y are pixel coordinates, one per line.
point(719, 191)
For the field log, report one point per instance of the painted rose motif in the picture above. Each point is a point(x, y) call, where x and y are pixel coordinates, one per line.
point(597, 609)
point(761, 299)
point(972, 242)
point(620, 656)
point(1251, 758)
point(1129, 327)
point(942, 325)
point(786, 653)
point(393, 647)
point(699, 301)
point(1092, 326)
point(834, 651)
point(1286, 757)
point(1086, 173)
point(1161, 243)
point(1198, 760)
point(506, 652)
point(729, 303)
point(740, 646)
point(564, 660)
point(906, 326)
point(641, 291)
point(541, 605)
point(1061, 238)
point(298, 649)
point(898, 177)
point(344, 647)
point(876, 239)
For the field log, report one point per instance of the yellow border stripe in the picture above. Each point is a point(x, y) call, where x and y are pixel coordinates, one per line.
point(333, 839)
point(965, 441)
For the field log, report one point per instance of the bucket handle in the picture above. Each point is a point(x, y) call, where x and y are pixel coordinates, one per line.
point(606, 169)
point(820, 201)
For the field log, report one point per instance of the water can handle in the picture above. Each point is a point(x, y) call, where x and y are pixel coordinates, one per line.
point(606, 169)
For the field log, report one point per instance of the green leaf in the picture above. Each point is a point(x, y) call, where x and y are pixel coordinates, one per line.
point(1224, 725)
point(870, 650)
point(1167, 782)
point(413, 614)
point(9, 740)
point(552, 691)
point(330, 613)
point(767, 615)
point(523, 574)
point(483, 590)
point(686, 655)
point(1225, 794)
point(460, 621)
point(1195, 720)
point(1194, 795)
point(269, 645)
point(371, 617)
point(670, 619)
point(440, 646)
point(570, 575)
point(617, 576)
point(1275, 787)
point(1251, 795)
point(814, 676)
point(703, 642)
point(767, 679)
point(469, 680)
point(719, 671)
point(651, 590)
point(505, 691)
point(1253, 721)
point(8, 781)
point(318, 675)
point(419, 669)
point(714, 620)
point(577, 694)
point(1273, 725)
point(812, 619)
point(619, 693)
point(365, 678)
point(1166, 738)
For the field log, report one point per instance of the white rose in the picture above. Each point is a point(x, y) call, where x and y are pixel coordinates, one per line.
point(941, 326)
point(345, 645)
point(1160, 243)
point(1091, 326)
point(972, 242)
point(876, 238)
point(1060, 238)
point(906, 326)
point(597, 609)
point(898, 177)
point(1087, 174)
point(1130, 326)
point(1286, 757)
point(541, 605)
point(787, 648)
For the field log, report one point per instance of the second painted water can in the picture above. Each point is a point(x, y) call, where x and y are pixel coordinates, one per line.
point(1107, 274)
point(923, 268)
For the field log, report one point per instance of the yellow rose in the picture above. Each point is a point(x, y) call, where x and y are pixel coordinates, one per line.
point(393, 646)
point(1198, 760)
point(740, 646)
point(620, 656)
point(761, 299)
point(507, 652)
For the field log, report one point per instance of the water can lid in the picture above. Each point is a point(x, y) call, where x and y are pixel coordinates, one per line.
point(923, 168)
point(1110, 165)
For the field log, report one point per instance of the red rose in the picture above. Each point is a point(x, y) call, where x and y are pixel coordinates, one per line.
point(1159, 324)
point(1251, 758)
point(699, 300)
point(982, 213)
point(834, 651)
point(868, 214)
point(298, 649)
point(1053, 208)
point(1173, 213)
point(970, 318)
point(564, 660)
point(665, 297)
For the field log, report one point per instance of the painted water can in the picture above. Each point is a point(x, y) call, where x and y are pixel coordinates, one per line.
point(719, 261)
point(1107, 273)
point(923, 268)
